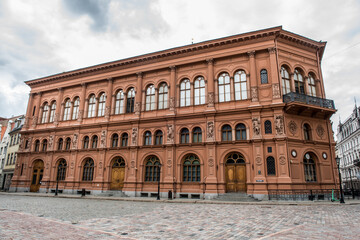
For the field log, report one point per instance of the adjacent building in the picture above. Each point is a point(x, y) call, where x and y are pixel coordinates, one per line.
point(244, 113)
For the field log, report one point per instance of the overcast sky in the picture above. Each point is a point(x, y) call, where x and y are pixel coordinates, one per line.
point(40, 37)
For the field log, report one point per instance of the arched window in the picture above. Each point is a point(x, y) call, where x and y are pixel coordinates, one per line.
point(184, 135)
point(285, 80)
point(312, 85)
point(76, 108)
point(68, 143)
point(44, 145)
point(235, 158)
point(163, 96)
point(147, 138)
point(150, 98)
point(240, 85)
point(60, 144)
point(158, 137)
point(226, 133)
point(94, 141)
point(264, 76)
point(224, 87)
point(152, 169)
point(240, 131)
point(118, 162)
point(130, 101)
point(67, 107)
point(299, 82)
point(199, 91)
point(270, 165)
point(309, 168)
point(185, 93)
point(114, 140)
point(45, 113)
point(37, 146)
point(52, 112)
point(61, 170)
point(119, 102)
point(307, 132)
point(268, 127)
point(101, 108)
point(91, 107)
point(191, 168)
point(88, 172)
point(86, 142)
point(197, 135)
point(124, 139)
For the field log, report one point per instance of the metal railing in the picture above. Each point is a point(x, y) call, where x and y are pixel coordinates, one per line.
point(303, 194)
point(297, 97)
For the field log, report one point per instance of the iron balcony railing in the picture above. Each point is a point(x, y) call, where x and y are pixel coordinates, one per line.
point(297, 97)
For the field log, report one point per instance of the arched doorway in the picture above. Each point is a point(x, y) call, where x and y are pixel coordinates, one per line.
point(117, 174)
point(235, 173)
point(38, 171)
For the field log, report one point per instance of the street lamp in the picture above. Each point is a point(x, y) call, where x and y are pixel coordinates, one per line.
point(351, 182)
point(341, 191)
point(159, 170)
point(57, 181)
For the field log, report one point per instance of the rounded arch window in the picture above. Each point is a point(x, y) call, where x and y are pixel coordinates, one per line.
point(130, 100)
point(309, 167)
point(152, 169)
point(147, 138)
point(264, 76)
point(67, 107)
point(60, 144)
point(235, 158)
point(158, 137)
point(75, 113)
point(88, 171)
point(240, 85)
point(101, 107)
point(270, 166)
point(86, 142)
point(44, 145)
point(185, 87)
point(45, 113)
point(94, 142)
point(119, 102)
point(191, 168)
point(114, 140)
point(312, 85)
point(163, 96)
point(240, 131)
point(118, 162)
point(150, 98)
point(226, 133)
point(184, 135)
point(124, 139)
point(68, 143)
point(61, 170)
point(199, 91)
point(285, 77)
point(307, 132)
point(37, 146)
point(91, 106)
point(224, 87)
point(299, 82)
point(268, 127)
point(197, 135)
point(52, 112)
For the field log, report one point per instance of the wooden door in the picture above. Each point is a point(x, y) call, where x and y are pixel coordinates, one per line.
point(117, 178)
point(240, 174)
point(38, 171)
point(235, 178)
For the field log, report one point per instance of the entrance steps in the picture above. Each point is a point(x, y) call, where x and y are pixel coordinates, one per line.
point(236, 197)
point(112, 193)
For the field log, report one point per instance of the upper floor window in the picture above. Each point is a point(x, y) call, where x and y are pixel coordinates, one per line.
point(67, 110)
point(114, 140)
point(240, 132)
point(91, 107)
point(307, 132)
point(124, 139)
point(45, 113)
point(130, 101)
point(52, 112)
point(101, 108)
point(199, 91)
point(312, 85)
point(37, 146)
point(264, 76)
point(94, 142)
point(309, 168)
point(119, 102)
point(267, 127)
point(150, 98)
point(147, 138)
point(163, 96)
point(197, 135)
point(224, 87)
point(44, 145)
point(60, 144)
point(86, 142)
point(76, 108)
point(226, 133)
point(285, 80)
point(299, 82)
point(185, 93)
point(240, 85)
point(184, 135)
point(158, 137)
point(68, 143)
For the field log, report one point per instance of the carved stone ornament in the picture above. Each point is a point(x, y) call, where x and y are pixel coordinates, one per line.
point(254, 94)
point(258, 161)
point(282, 160)
point(272, 50)
point(211, 162)
point(169, 163)
point(107, 111)
point(103, 138)
point(256, 126)
point(279, 124)
point(100, 167)
point(132, 164)
point(170, 133)
point(211, 99)
point(72, 165)
point(276, 90)
point(137, 108)
point(75, 140)
point(210, 130)
point(292, 127)
point(134, 136)
point(34, 121)
point(81, 114)
point(320, 131)
point(172, 103)
point(51, 141)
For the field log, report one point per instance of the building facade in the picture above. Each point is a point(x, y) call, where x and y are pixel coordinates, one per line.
point(348, 149)
point(245, 113)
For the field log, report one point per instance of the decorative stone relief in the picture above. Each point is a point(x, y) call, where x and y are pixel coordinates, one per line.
point(258, 161)
point(74, 141)
point(292, 127)
point(137, 108)
point(279, 124)
point(103, 138)
point(282, 160)
point(100, 167)
point(210, 130)
point(320, 131)
point(169, 163)
point(211, 99)
point(21, 147)
point(272, 50)
point(132, 164)
point(276, 90)
point(72, 165)
point(134, 136)
point(254, 94)
point(81, 114)
point(170, 133)
point(256, 126)
point(51, 141)
point(107, 111)
point(34, 121)
point(172, 103)
point(211, 162)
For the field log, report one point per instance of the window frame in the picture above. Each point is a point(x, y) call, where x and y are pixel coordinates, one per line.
point(76, 105)
point(119, 102)
point(88, 170)
point(191, 172)
point(240, 85)
point(163, 96)
point(197, 135)
point(227, 132)
point(285, 80)
point(199, 91)
point(67, 108)
point(101, 105)
point(150, 98)
point(91, 106)
point(184, 136)
point(130, 100)
point(224, 87)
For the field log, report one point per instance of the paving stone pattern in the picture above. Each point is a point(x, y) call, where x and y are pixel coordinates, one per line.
point(23, 217)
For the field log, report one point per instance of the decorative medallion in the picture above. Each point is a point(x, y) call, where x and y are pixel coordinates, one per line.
point(72, 165)
point(169, 163)
point(258, 160)
point(324, 155)
point(293, 153)
point(211, 162)
point(292, 127)
point(132, 164)
point(282, 160)
point(320, 131)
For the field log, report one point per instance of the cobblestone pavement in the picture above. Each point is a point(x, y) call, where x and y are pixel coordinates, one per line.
point(24, 217)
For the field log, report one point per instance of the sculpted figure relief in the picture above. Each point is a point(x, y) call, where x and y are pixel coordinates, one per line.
point(210, 130)
point(254, 94)
point(103, 138)
point(134, 136)
point(256, 126)
point(279, 124)
point(74, 141)
point(276, 91)
point(170, 133)
point(51, 141)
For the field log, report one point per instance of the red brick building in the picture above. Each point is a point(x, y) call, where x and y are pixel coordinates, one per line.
point(245, 113)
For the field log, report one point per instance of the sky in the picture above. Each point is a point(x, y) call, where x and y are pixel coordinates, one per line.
point(40, 38)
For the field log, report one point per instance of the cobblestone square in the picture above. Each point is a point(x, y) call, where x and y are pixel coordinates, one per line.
point(29, 217)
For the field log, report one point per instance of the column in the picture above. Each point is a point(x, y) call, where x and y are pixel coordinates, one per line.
point(108, 99)
point(306, 84)
point(28, 111)
point(58, 105)
point(273, 75)
point(172, 89)
point(37, 110)
point(82, 102)
point(138, 95)
point(253, 80)
point(40, 114)
point(113, 104)
point(292, 82)
point(210, 83)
